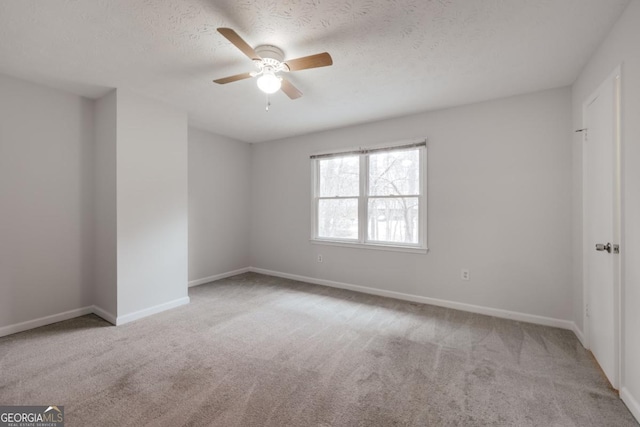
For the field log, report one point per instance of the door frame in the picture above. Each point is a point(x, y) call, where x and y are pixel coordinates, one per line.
point(614, 79)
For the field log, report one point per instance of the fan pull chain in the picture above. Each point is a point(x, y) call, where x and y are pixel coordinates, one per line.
point(268, 104)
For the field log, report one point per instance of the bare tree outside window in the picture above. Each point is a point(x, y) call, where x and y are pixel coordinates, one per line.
point(392, 218)
point(371, 197)
point(339, 183)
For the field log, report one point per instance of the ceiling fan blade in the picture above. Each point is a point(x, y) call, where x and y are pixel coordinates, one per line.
point(312, 61)
point(231, 79)
point(290, 90)
point(237, 41)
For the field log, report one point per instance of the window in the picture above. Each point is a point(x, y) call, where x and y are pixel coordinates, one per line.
point(373, 197)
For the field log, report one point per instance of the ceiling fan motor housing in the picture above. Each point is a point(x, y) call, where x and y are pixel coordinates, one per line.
point(272, 58)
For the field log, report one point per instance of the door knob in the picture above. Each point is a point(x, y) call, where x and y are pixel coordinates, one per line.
point(608, 247)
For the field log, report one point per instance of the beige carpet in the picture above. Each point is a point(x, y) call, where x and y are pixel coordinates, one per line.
point(255, 350)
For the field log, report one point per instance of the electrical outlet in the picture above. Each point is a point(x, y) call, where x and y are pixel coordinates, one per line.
point(319, 258)
point(464, 274)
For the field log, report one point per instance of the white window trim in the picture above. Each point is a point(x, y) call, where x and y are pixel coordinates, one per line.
point(363, 197)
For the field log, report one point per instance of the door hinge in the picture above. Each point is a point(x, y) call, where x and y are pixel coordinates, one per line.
point(586, 309)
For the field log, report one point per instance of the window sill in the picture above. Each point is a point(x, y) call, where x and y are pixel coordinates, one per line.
point(378, 247)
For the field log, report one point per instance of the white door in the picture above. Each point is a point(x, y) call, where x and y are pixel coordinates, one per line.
point(602, 225)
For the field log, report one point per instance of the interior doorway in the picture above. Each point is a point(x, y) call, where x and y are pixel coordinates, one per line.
point(601, 226)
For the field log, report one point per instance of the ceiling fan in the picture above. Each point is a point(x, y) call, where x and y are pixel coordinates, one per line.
point(269, 61)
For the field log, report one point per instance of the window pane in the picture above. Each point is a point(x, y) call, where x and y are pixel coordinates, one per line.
point(339, 176)
point(394, 173)
point(394, 220)
point(338, 218)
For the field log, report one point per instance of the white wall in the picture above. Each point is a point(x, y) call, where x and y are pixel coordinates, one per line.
point(499, 194)
point(620, 47)
point(219, 204)
point(105, 278)
point(151, 203)
point(46, 207)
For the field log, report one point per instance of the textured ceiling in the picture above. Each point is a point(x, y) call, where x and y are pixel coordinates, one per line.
point(391, 57)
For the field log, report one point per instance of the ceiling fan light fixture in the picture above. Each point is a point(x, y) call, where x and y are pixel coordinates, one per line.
point(269, 82)
point(269, 60)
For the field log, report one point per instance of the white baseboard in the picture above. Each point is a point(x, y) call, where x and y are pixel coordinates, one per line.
point(215, 277)
point(100, 312)
point(578, 333)
point(632, 404)
point(505, 314)
point(121, 320)
point(43, 321)
point(495, 312)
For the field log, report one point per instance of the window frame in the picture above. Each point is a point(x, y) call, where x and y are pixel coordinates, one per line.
point(364, 196)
